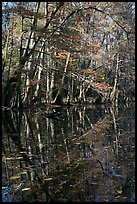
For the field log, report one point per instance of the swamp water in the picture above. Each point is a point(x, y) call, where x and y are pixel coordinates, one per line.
point(61, 154)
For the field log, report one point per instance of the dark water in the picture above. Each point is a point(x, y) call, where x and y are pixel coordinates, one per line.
point(61, 154)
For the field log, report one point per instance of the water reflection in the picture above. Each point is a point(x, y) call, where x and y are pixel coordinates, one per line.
point(79, 154)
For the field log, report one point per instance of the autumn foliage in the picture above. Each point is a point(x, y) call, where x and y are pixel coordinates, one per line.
point(98, 37)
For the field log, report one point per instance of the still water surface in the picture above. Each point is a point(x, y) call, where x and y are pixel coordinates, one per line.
point(61, 154)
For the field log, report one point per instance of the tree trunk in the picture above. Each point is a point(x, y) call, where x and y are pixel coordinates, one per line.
point(113, 92)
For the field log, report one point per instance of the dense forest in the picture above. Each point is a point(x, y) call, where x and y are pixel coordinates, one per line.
point(67, 53)
point(68, 83)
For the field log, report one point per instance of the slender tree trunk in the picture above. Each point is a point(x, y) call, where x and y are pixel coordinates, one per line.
point(65, 69)
point(114, 90)
point(60, 90)
point(25, 56)
point(52, 83)
point(70, 89)
point(40, 68)
point(48, 63)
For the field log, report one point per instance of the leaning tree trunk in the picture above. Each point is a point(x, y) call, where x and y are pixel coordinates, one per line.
point(37, 93)
point(59, 94)
point(114, 94)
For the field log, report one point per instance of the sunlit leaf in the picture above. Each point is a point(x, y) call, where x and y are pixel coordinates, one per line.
point(13, 158)
point(48, 179)
point(119, 191)
point(15, 177)
point(24, 172)
point(25, 189)
point(4, 187)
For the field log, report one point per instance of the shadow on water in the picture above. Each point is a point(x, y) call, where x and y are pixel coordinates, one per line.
point(61, 154)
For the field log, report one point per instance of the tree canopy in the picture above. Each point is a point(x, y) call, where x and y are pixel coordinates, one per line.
point(67, 52)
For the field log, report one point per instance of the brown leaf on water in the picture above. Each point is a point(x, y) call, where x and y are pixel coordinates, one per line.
point(98, 129)
point(101, 126)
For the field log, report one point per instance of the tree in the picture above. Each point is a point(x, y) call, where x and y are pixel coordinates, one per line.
point(68, 52)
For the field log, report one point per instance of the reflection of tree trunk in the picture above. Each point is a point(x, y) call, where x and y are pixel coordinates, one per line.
point(116, 144)
point(66, 146)
point(12, 131)
point(9, 91)
point(10, 128)
point(114, 119)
